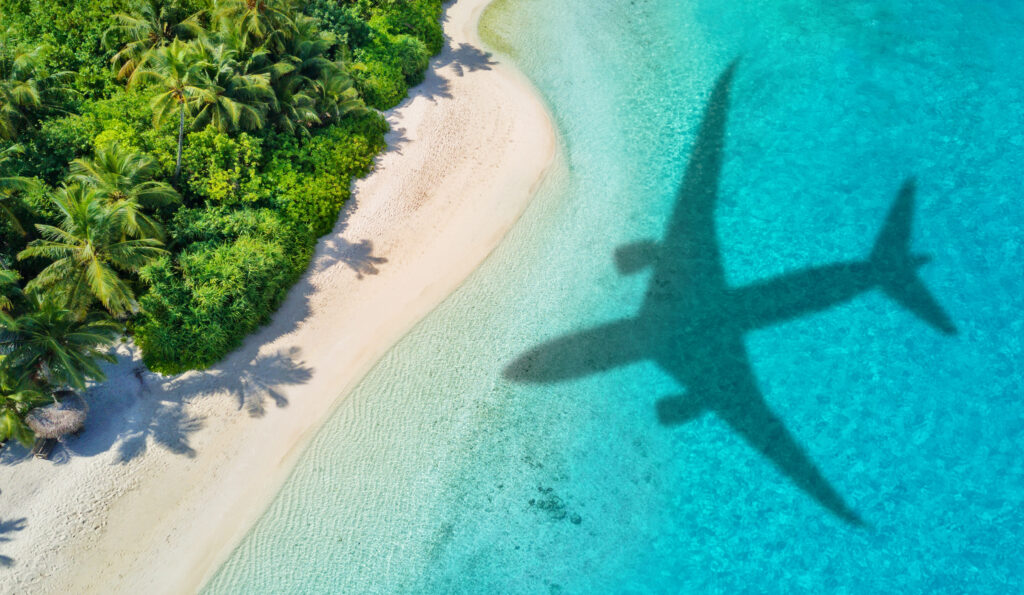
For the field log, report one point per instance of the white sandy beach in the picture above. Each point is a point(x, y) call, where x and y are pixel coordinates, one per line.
point(172, 471)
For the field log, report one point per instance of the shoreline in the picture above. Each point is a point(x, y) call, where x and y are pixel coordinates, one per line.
point(160, 488)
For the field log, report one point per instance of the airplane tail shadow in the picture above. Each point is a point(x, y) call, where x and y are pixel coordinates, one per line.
point(897, 265)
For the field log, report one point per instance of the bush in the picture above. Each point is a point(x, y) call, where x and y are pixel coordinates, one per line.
point(419, 18)
point(378, 76)
point(405, 34)
point(341, 20)
point(310, 201)
point(347, 148)
point(124, 116)
point(226, 283)
point(384, 70)
point(412, 58)
point(222, 170)
point(311, 177)
point(224, 224)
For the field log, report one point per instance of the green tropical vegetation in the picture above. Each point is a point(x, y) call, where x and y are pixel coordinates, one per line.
point(166, 167)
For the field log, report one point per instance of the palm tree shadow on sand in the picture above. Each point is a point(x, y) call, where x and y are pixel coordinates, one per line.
point(692, 323)
point(144, 410)
point(11, 526)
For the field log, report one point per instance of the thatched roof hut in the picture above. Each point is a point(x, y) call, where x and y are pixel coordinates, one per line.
point(64, 417)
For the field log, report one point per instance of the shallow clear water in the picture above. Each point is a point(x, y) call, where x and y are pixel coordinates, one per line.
point(456, 466)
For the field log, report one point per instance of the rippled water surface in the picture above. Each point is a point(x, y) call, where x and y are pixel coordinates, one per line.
point(775, 397)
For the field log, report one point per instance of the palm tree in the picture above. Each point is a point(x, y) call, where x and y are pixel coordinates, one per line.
point(8, 282)
point(259, 22)
point(53, 345)
point(95, 240)
point(296, 105)
point(12, 183)
point(176, 68)
point(8, 286)
point(307, 47)
point(229, 98)
point(152, 24)
point(25, 88)
point(119, 174)
point(20, 93)
point(310, 88)
point(335, 96)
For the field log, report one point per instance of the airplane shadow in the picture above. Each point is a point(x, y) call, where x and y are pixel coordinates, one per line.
point(692, 323)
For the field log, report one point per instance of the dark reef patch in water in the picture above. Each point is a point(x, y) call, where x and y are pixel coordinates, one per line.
point(553, 506)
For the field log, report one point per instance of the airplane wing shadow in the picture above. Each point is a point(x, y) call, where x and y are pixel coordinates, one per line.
point(732, 395)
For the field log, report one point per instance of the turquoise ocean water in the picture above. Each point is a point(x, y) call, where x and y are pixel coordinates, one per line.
point(775, 445)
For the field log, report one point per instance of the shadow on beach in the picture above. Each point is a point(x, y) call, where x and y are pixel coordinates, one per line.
point(462, 58)
point(136, 409)
point(6, 527)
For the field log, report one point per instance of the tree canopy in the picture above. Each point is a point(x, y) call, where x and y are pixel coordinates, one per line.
point(167, 165)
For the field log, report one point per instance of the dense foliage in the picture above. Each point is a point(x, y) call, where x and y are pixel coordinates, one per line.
point(167, 165)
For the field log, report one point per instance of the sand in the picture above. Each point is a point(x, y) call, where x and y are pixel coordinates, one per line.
point(172, 471)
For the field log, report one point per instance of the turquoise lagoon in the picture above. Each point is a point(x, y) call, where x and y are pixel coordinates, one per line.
point(445, 472)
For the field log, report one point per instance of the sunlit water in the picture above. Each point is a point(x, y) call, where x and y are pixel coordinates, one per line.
point(446, 471)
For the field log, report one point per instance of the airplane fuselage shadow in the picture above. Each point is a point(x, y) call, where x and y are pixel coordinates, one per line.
point(692, 323)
